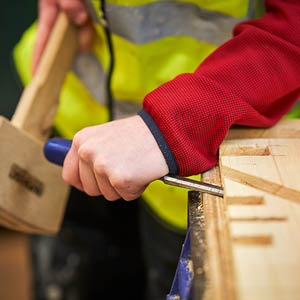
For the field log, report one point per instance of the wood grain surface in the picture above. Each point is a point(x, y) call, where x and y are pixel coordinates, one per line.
point(219, 269)
point(262, 208)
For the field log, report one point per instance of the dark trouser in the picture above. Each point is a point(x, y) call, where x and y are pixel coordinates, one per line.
point(105, 250)
point(161, 249)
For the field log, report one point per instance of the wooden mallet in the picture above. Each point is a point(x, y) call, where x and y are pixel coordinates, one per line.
point(32, 194)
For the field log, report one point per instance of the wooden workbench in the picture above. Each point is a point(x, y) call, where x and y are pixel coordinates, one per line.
point(246, 246)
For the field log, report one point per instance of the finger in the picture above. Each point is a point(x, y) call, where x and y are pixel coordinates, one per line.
point(106, 188)
point(88, 179)
point(126, 187)
point(86, 34)
point(70, 172)
point(129, 196)
point(75, 10)
point(48, 11)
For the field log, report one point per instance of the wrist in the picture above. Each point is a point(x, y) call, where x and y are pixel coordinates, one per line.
point(161, 142)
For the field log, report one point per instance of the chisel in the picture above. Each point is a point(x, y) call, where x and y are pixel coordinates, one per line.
point(56, 149)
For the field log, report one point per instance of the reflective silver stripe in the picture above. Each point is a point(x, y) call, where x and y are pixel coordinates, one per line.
point(145, 23)
point(92, 75)
point(251, 9)
point(90, 71)
point(124, 109)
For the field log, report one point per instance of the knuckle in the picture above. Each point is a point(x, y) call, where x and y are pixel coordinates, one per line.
point(120, 180)
point(46, 3)
point(85, 153)
point(126, 186)
point(100, 166)
point(67, 5)
point(78, 139)
point(74, 9)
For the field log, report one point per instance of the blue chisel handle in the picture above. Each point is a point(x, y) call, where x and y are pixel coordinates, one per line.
point(56, 150)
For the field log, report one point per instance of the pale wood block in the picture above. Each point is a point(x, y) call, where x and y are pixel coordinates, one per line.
point(245, 203)
point(261, 274)
point(263, 269)
point(276, 173)
point(264, 234)
point(283, 129)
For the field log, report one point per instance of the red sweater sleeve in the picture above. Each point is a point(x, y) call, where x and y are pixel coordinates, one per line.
point(253, 80)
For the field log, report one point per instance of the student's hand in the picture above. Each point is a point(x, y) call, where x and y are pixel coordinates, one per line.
point(48, 11)
point(117, 159)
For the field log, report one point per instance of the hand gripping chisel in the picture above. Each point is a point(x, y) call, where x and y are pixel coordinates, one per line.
point(56, 150)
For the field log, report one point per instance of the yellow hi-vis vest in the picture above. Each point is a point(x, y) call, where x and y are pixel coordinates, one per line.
point(153, 41)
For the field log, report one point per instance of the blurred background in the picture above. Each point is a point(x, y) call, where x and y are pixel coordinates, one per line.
point(15, 17)
point(15, 261)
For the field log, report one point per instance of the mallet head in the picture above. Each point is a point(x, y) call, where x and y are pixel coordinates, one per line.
point(33, 195)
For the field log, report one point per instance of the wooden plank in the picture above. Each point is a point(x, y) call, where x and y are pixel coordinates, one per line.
point(264, 222)
point(218, 262)
point(283, 129)
point(276, 173)
point(268, 267)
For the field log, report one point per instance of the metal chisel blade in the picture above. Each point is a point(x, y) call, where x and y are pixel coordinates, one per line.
point(193, 185)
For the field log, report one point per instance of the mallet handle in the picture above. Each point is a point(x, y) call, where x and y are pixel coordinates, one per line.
point(37, 107)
